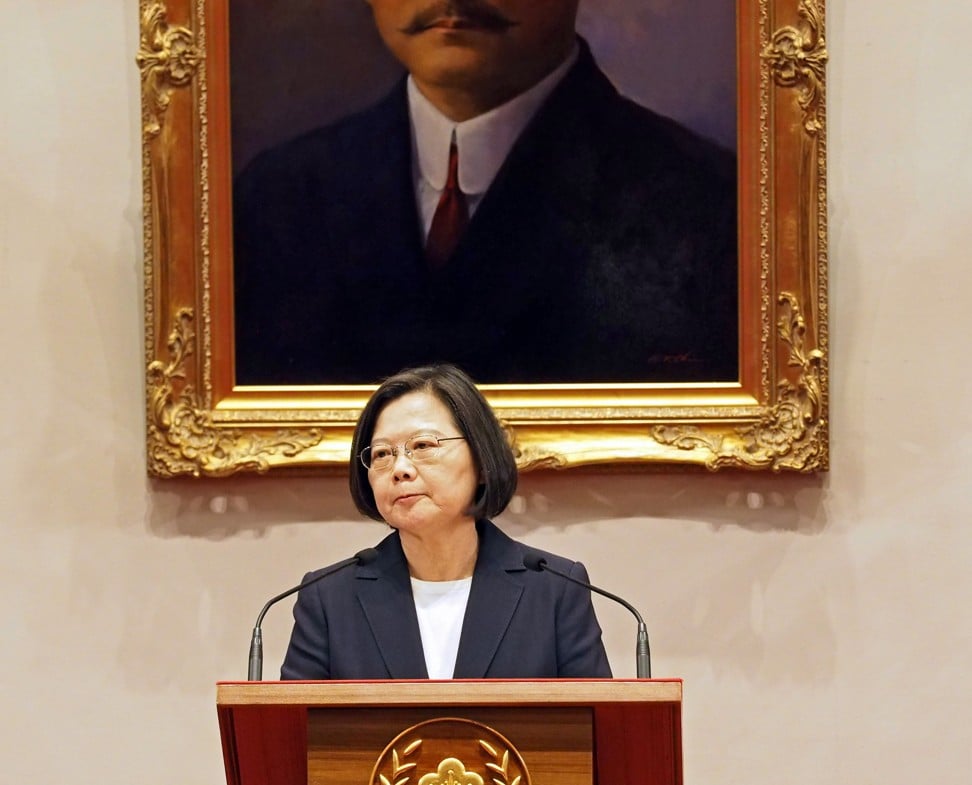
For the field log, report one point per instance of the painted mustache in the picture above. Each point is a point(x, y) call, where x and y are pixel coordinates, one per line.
point(459, 14)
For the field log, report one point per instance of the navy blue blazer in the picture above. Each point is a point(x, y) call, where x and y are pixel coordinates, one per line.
point(360, 623)
point(605, 250)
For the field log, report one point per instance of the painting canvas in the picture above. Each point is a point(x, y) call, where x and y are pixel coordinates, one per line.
point(604, 249)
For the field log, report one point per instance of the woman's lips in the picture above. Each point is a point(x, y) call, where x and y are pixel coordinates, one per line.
point(408, 497)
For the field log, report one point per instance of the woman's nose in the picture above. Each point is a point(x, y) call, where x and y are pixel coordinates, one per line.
point(403, 466)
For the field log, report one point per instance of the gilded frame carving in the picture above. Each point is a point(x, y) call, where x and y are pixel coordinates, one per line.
point(775, 418)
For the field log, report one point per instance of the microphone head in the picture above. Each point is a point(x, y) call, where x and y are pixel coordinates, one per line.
point(367, 556)
point(532, 560)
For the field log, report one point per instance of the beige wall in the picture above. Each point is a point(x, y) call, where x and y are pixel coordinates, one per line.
point(823, 626)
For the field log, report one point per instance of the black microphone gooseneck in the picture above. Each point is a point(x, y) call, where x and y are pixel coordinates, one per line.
point(534, 561)
point(255, 671)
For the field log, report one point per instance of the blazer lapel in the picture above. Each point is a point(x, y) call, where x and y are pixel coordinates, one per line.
point(385, 595)
point(493, 598)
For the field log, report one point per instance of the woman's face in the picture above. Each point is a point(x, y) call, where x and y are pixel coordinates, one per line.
point(432, 497)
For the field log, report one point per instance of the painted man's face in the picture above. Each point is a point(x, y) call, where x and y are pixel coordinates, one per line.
point(496, 48)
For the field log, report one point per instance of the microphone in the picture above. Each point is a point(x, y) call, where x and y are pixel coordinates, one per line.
point(255, 671)
point(534, 561)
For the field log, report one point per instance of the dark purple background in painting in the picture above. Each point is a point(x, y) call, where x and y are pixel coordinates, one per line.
point(298, 64)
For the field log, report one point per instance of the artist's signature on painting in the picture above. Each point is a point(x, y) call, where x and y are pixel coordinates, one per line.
point(681, 358)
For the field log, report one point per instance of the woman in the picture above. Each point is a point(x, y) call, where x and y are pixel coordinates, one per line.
point(448, 595)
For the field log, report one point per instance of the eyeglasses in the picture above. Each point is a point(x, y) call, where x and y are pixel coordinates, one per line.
point(381, 455)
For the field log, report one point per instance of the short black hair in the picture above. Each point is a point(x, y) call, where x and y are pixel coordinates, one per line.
point(476, 421)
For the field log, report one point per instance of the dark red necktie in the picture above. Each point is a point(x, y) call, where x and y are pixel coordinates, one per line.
point(450, 219)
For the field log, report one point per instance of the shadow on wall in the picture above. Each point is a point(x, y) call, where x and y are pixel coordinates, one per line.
point(757, 502)
point(251, 505)
point(223, 509)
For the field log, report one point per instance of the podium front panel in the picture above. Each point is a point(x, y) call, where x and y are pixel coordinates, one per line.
point(554, 745)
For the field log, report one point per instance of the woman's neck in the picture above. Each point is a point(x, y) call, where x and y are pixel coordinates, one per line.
point(442, 558)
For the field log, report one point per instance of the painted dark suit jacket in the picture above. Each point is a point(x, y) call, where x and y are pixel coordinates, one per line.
point(605, 250)
point(360, 623)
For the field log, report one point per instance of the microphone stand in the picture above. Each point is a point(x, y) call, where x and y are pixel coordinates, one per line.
point(255, 669)
point(642, 653)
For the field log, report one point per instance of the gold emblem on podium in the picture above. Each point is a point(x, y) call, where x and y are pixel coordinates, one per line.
point(452, 771)
point(450, 751)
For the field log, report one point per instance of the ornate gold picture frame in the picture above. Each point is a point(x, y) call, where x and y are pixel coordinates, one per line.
point(773, 417)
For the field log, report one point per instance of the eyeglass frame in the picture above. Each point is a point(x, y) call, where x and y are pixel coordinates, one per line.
point(407, 452)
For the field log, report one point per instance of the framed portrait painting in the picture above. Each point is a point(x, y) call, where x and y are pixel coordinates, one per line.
point(638, 277)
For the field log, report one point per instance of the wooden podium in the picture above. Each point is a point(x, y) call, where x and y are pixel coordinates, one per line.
point(557, 732)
